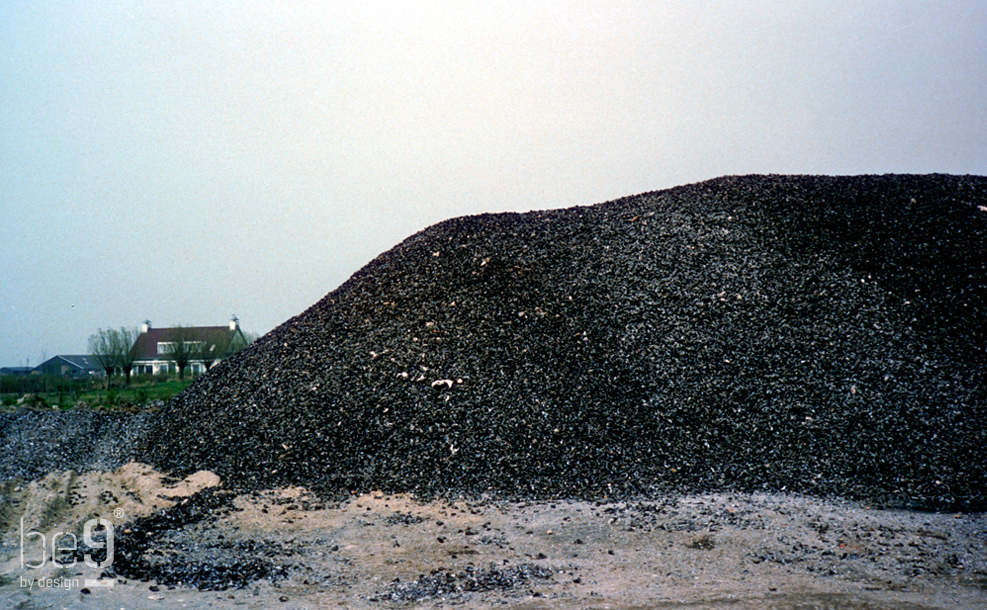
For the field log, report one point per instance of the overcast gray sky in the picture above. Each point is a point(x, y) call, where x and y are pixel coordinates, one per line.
point(183, 161)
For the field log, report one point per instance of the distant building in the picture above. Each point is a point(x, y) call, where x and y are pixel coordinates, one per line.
point(70, 366)
point(15, 370)
point(155, 347)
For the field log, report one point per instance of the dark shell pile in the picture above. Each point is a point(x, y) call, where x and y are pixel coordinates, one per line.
point(817, 335)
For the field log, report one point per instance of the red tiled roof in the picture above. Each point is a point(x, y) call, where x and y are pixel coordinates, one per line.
point(147, 343)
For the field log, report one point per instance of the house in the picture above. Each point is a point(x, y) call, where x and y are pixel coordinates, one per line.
point(157, 349)
point(70, 366)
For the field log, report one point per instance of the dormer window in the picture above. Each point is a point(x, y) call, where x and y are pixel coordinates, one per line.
point(168, 347)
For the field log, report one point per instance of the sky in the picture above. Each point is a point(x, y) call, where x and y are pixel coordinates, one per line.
point(185, 161)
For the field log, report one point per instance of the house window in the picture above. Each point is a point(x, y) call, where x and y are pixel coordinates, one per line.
point(168, 347)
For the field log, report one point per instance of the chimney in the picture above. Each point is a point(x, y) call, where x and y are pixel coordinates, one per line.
point(234, 323)
point(146, 327)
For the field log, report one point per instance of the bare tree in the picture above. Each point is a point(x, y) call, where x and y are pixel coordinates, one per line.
point(127, 349)
point(104, 346)
point(207, 351)
point(184, 348)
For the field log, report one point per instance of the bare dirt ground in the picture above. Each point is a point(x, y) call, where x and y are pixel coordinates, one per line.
point(733, 551)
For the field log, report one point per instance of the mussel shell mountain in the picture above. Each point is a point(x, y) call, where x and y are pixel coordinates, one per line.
point(816, 335)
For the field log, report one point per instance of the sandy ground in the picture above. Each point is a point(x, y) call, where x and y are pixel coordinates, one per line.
point(377, 551)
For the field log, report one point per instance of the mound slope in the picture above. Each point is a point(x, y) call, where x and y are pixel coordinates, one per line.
point(821, 335)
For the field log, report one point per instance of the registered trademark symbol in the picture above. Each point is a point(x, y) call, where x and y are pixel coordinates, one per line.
point(118, 513)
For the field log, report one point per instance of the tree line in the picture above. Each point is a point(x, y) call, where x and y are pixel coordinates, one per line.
point(115, 350)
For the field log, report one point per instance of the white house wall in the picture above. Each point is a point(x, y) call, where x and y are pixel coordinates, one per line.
point(157, 367)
